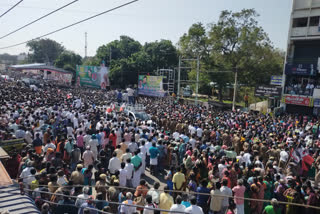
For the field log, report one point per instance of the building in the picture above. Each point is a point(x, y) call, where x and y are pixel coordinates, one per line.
point(45, 72)
point(301, 88)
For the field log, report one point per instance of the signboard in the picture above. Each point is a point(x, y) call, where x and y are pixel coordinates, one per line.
point(276, 80)
point(301, 69)
point(296, 100)
point(151, 86)
point(316, 103)
point(92, 76)
point(13, 144)
point(267, 91)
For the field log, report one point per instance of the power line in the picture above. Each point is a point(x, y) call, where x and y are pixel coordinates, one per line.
point(11, 8)
point(68, 26)
point(39, 19)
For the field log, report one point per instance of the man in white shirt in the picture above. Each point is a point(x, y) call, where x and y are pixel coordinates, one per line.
point(199, 132)
point(129, 168)
point(175, 135)
point(49, 145)
point(225, 190)
point(127, 209)
point(114, 164)
point(193, 141)
point(82, 198)
point(221, 167)
point(26, 172)
point(123, 175)
point(284, 157)
point(194, 209)
point(178, 206)
point(192, 129)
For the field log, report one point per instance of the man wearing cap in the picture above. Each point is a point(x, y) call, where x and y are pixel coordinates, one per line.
point(101, 186)
point(76, 176)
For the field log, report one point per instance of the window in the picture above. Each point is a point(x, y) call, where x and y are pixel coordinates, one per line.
point(300, 22)
point(314, 21)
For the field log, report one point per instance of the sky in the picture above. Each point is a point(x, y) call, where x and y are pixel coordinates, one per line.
point(145, 20)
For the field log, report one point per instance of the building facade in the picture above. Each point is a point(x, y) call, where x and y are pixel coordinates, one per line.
point(301, 85)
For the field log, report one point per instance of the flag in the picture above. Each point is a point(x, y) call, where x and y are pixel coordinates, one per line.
point(122, 107)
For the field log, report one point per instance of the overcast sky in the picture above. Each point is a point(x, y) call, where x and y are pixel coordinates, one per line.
point(145, 20)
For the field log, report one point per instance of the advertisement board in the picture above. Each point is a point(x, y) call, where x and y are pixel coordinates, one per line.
point(296, 100)
point(14, 144)
point(267, 91)
point(301, 69)
point(151, 86)
point(316, 103)
point(276, 80)
point(92, 76)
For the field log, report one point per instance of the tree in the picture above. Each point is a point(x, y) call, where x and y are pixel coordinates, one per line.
point(118, 49)
point(129, 59)
point(162, 54)
point(8, 59)
point(195, 42)
point(68, 58)
point(44, 50)
point(238, 43)
point(236, 38)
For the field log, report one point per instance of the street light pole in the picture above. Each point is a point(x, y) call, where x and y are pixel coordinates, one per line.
point(197, 84)
point(179, 73)
point(235, 89)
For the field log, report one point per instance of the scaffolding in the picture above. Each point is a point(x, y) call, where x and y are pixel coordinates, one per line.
point(186, 64)
point(168, 79)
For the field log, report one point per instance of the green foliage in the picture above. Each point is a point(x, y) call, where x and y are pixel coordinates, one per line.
point(119, 49)
point(236, 41)
point(195, 42)
point(68, 58)
point(44, 50)
point(162, 54)
point(8, 59)
point(129, 59)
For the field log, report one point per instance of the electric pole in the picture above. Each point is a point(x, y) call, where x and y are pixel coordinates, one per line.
point(197, 84)
point(235, 89)
point(85, 45)
point(179, 73)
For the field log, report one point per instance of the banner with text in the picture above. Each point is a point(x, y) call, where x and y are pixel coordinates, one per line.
point(92, 76)
point(151, 86)
point(276, 80)
point(301, 69)
point(296, 100)
point(267, 91)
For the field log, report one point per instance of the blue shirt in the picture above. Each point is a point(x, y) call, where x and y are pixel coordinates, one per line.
point(202, 199)
point(186, 203)
point(154, 151)
point(99, 138)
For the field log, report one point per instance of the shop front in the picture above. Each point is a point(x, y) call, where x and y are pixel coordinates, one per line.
point(298, 104)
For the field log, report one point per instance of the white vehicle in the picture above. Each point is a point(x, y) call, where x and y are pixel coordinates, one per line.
point(137, 113)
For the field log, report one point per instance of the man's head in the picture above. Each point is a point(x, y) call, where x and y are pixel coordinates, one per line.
point(193, 200)
point(178, 199)
point(129, 195)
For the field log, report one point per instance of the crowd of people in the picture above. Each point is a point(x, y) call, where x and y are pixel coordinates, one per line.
point(82, 155)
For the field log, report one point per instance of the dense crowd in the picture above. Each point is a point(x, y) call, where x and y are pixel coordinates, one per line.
point(84, 155)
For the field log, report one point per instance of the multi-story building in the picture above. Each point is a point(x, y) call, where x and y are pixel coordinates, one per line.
point(301, 85)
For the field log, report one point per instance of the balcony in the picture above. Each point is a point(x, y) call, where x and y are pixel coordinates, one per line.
point(305, 31)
